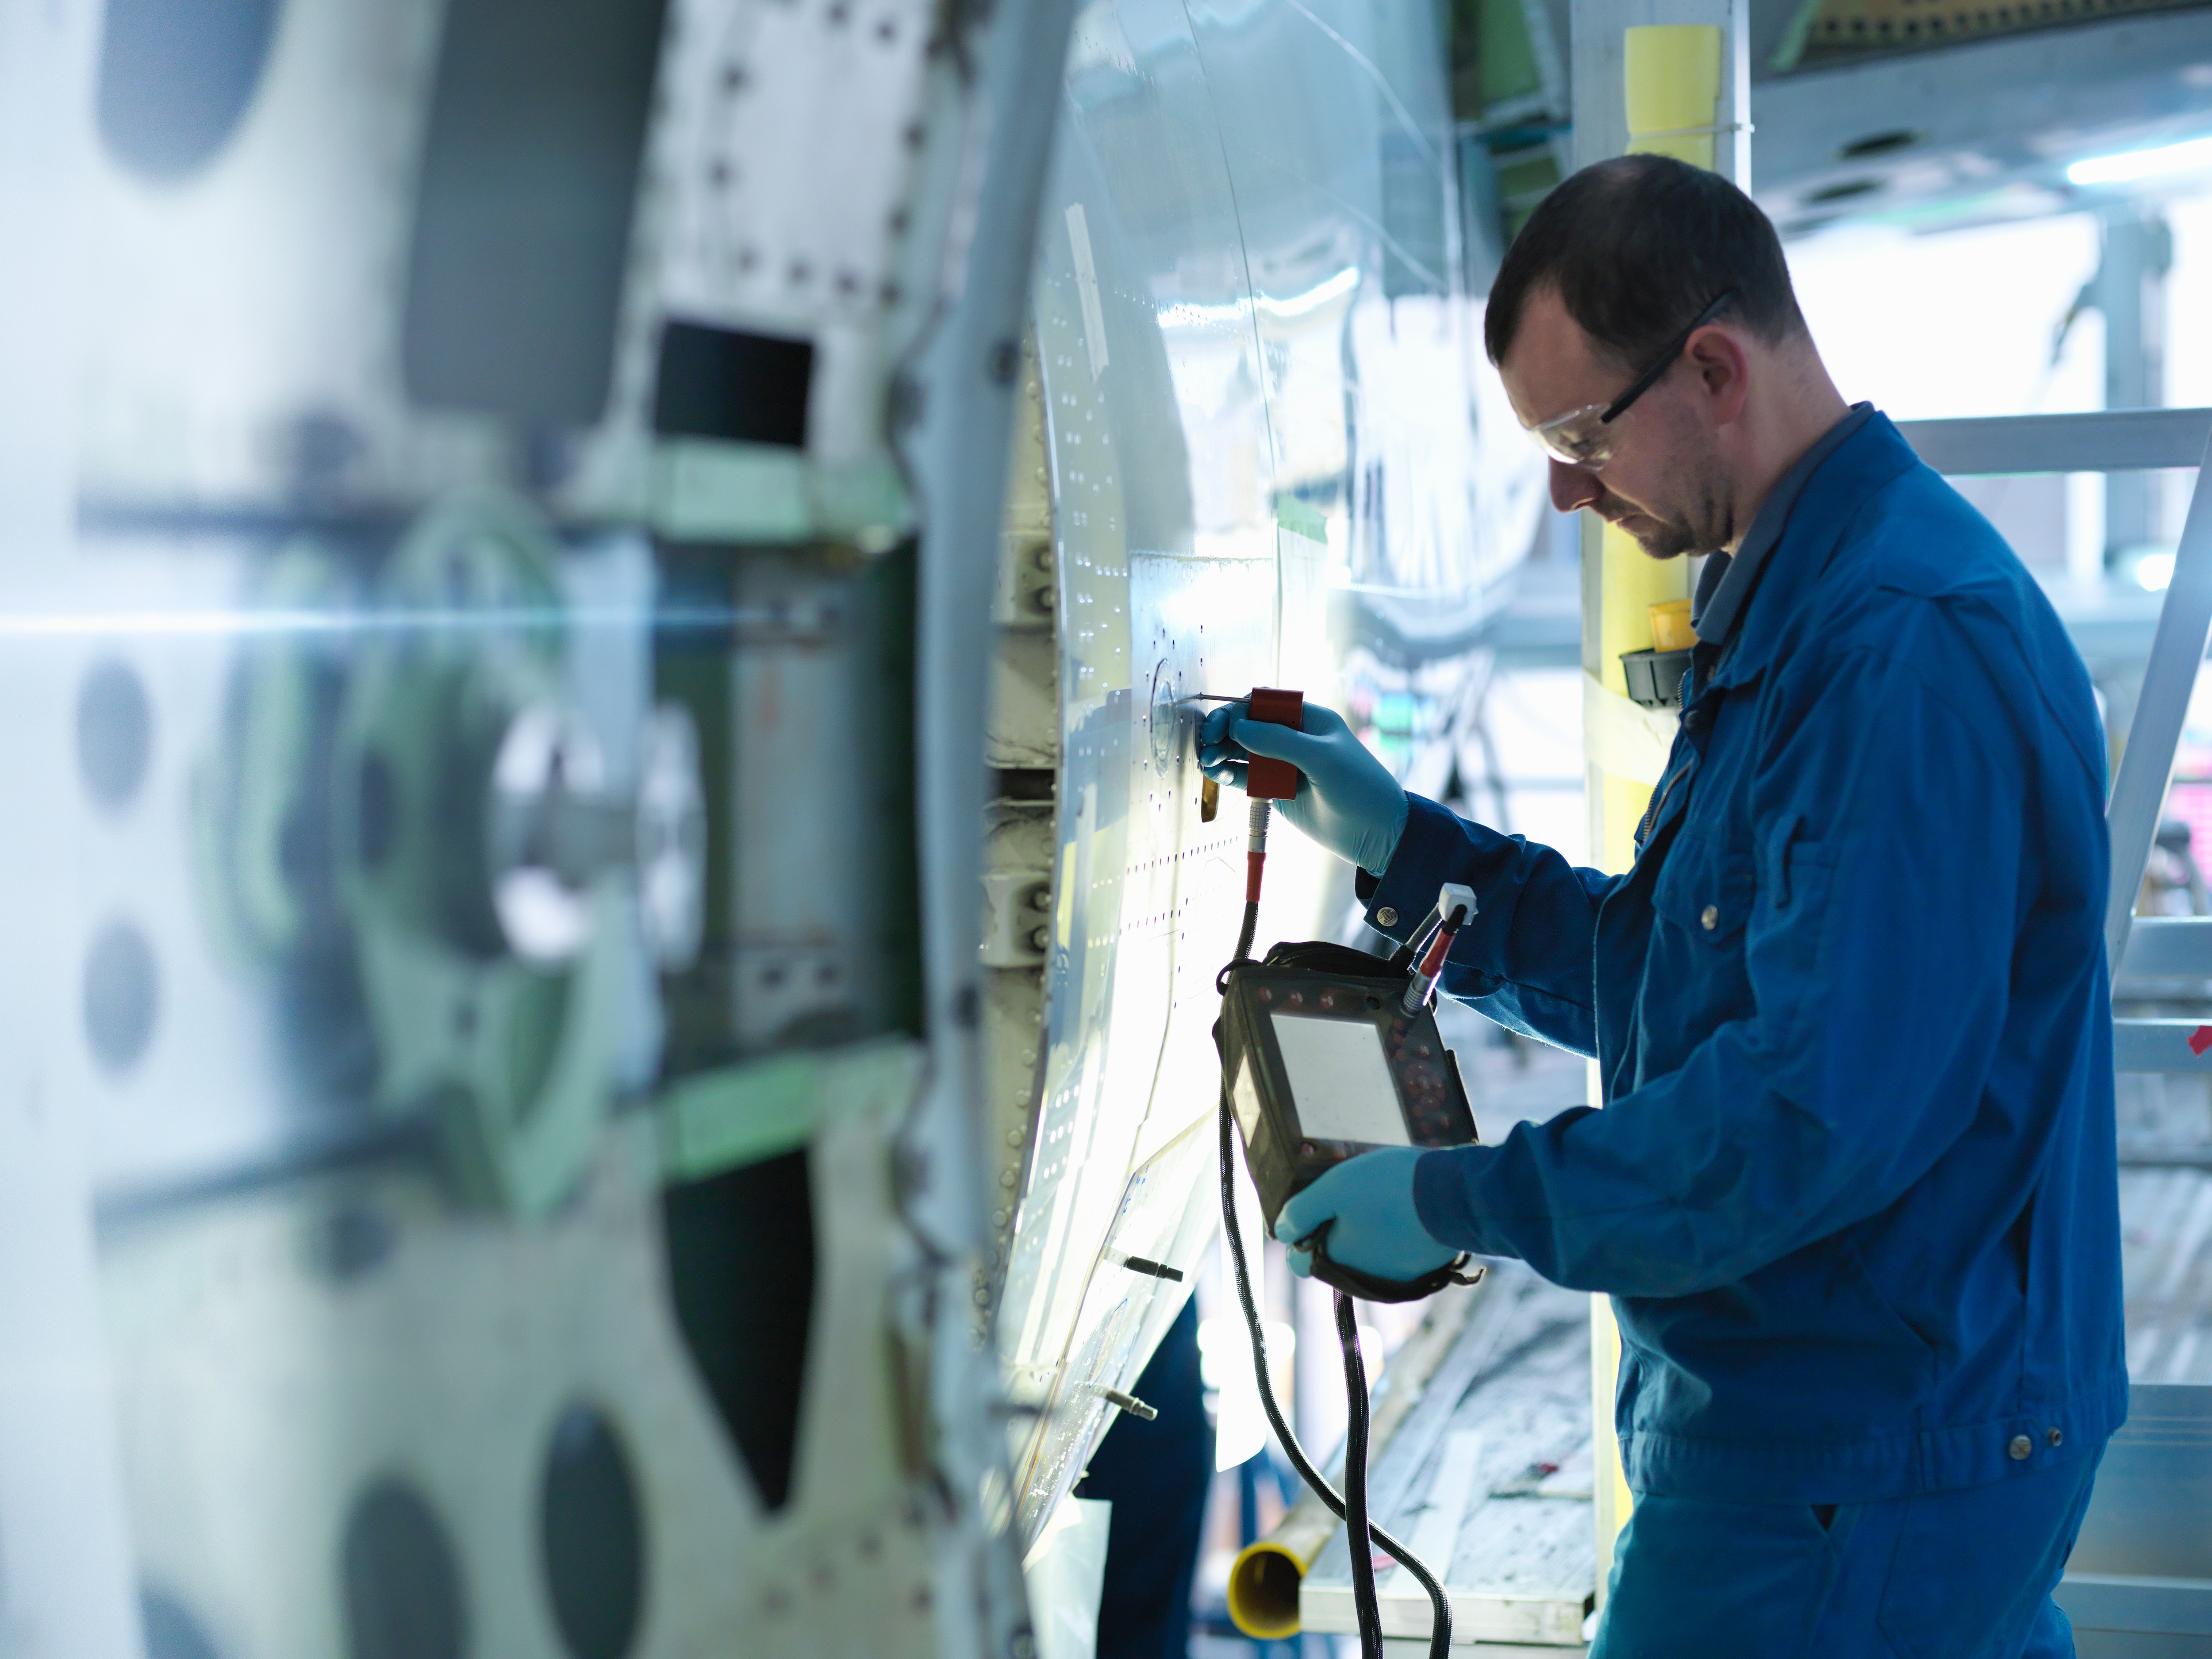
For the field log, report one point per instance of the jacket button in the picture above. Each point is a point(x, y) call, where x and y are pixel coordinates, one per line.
point(1712, 918)
point(1387, 916)
point(2054, 1436)
point(2020, 1448)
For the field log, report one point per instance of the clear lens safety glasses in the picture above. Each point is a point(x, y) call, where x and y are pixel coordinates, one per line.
point(1580, 438)
point(1585, 437)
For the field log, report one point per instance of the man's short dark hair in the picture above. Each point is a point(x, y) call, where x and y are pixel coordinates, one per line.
point(1638, 246)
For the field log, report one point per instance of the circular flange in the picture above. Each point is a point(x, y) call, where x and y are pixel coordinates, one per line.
point(513, 1052)
point(1164, 719)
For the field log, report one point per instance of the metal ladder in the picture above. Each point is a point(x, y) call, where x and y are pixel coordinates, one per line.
point(2162, 947)
point(2139, 1580)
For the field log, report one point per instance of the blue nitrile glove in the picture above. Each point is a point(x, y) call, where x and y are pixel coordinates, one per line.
point(1375, 1228)
point(1346, 800)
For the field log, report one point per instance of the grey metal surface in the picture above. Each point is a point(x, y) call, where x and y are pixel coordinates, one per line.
point(2106, 440)
point(2161, 1045)
point(2165, 1222)
point(965, 385)
point(1986, 127)
point(259, 819)
point(2168, 947)
point(2165, 1119)
point(2138, 1602)
point(70, 1567)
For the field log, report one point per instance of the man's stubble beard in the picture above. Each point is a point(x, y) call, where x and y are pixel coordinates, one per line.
point(1707, 524)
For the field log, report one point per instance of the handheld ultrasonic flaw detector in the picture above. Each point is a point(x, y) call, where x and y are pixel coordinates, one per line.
point(1328, 1053)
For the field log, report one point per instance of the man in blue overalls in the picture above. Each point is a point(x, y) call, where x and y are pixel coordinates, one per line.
point(1853, 1189)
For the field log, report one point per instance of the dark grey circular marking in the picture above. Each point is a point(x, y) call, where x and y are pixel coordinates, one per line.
point(169, 1631)
point(114, 734)
point(592, 1531)
point(401, 1578)
point(353, 1242)
point(122, 996)
point(176, 77)
point(377, 826)
point(1880, 143)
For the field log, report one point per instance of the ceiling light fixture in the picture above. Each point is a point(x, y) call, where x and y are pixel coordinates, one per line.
point(2129, 165)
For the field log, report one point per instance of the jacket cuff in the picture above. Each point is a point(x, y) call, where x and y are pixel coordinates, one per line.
point(1440, 1201)
point(1397, 899)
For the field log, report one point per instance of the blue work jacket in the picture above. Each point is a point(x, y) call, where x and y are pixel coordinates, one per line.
point(1854, 1189)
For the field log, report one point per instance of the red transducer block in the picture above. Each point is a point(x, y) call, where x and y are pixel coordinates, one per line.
point(1274, 779)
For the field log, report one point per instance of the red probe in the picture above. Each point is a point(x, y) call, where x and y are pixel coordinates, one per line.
point(1265, 780)
point(1274, 779)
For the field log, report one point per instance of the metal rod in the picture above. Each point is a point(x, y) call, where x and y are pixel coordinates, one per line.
point(2177, 651)
point(2110, 440)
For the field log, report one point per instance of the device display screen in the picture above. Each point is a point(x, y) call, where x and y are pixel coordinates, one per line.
point(1341, 1079)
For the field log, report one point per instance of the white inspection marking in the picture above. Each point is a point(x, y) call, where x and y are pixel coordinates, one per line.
point(1087, 283)
point(1436, 1534)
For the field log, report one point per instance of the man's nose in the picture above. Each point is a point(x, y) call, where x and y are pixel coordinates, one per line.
point(1573, 488)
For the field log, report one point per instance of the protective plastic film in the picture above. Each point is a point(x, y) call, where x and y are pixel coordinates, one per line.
point(1258, 406)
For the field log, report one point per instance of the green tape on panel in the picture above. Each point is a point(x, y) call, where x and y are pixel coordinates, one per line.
point(1296, 516)
point(746, 1113)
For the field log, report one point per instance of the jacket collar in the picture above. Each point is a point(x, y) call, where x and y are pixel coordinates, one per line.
point(1866, 461)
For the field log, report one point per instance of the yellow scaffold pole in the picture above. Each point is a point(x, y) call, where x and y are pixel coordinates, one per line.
point(1683, 70)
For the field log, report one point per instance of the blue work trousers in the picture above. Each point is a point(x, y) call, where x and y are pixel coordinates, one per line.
point(1950, 1575)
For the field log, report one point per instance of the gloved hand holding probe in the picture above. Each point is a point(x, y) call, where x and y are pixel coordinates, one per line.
point(1346, 800)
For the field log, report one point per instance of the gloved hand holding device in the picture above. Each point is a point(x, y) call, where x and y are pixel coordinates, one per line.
point(1346, 800)
point(1367, 1204)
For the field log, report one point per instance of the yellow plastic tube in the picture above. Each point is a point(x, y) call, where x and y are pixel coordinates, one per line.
point(1264, 1579)
point(1263, 1582)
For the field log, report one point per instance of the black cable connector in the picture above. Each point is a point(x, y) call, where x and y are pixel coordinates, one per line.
point(1423, 984)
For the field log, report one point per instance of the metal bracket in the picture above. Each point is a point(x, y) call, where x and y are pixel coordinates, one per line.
point(1017, 918)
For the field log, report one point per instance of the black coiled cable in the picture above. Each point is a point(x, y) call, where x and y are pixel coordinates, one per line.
point(1351, 1507)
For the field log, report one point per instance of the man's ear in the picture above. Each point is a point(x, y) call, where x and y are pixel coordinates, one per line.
point(1723, 372)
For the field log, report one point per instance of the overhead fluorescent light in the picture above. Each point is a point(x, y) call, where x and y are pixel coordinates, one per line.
point(2186, 157)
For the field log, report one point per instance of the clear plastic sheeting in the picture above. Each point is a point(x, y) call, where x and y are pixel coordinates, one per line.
point(1260, 382)
point(1066, 1575)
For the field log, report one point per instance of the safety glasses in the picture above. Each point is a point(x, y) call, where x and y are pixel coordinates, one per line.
point(1586, 437)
